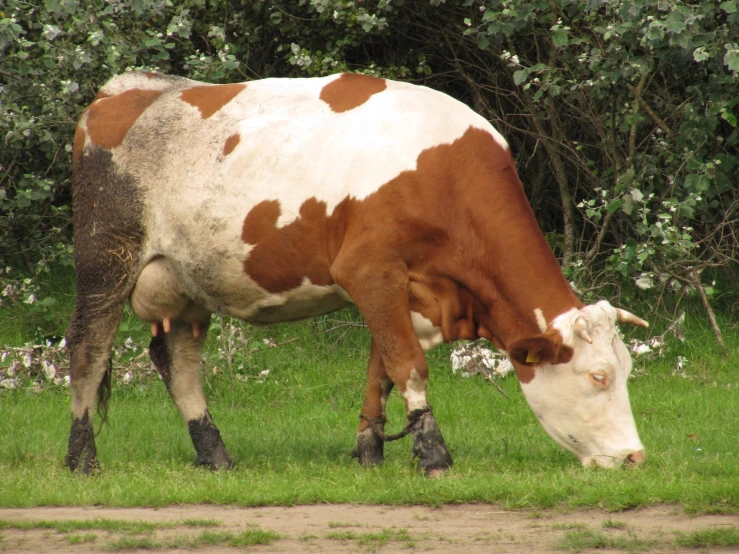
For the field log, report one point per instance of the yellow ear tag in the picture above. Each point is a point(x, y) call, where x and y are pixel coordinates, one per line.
point(532, 358)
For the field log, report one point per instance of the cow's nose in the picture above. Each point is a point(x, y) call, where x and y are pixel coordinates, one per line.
point(635, 458)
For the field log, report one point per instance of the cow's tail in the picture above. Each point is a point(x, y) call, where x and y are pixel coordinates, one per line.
point(104, 393)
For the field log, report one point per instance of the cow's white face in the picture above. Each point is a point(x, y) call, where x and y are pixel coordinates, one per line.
point(584, 403)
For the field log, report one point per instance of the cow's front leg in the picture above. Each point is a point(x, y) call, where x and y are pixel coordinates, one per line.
point(380, 291)
point(369, 449)
point(176, 355)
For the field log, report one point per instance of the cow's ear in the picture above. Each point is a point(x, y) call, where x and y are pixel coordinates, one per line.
point(539, 349)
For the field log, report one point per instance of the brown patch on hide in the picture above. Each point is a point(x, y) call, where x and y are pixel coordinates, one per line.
point(350, 91)
point(211, 98)
point(282, 257)
point(525, 373)
point(110, 117)
point(231, 143)
point(545, 348)
point(446, 305)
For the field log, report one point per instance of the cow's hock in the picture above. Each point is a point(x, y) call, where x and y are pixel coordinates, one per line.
point(81, 452)
point(428, 444)
point(211, 452)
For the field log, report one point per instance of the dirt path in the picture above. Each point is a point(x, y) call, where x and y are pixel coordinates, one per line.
point(465, 529)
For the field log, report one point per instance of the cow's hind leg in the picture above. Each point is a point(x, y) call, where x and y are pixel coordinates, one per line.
point(176, 355)
point(369, 449)
point(108, 233)
point(90, 338)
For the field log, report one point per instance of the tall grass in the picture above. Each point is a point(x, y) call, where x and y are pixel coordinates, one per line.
point(291, 432)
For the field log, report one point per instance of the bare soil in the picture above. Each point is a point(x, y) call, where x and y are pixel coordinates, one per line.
point(468, 528)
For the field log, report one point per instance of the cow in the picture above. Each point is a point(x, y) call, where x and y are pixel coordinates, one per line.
point(280, 199)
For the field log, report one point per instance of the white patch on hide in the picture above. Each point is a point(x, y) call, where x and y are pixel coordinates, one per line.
point(415, 392)
point(307, 300)
point(541, 322)
point(429, 335)
point(564, 323)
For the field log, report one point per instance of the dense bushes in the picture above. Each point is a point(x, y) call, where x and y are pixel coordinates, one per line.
point(625, 112)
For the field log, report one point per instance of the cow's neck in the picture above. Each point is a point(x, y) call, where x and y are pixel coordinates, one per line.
point(509, 267)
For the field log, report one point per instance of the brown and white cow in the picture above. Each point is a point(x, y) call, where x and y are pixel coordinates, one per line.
point(282, 199)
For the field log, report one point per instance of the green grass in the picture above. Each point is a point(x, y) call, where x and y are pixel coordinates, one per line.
point(611, 524)
point(342, 535)
point(98, 524)
point(129, 531)
point(378, 539)
point(81, 539)
point(249, 537)
point(709, 538)
point(578, 541)
point(197, 522)
point(291, 434)
point(373, 540)
point(133, 543)
point(253, 536)
point(569, 526)
point(339, 524)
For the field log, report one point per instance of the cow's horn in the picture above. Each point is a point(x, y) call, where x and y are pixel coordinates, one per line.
point(581, 329)
point(628, 317)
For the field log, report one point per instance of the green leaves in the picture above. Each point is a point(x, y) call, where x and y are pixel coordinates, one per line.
point(560, 36)
point(731, 58)
point(520, 76)
point(727, 116)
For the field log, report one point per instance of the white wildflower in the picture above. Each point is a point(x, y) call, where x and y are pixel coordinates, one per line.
point(9, 383)
point(638, 348)
point(49, 369)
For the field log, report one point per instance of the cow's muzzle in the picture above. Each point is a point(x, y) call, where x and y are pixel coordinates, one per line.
point(632, 459)
point(635, 458)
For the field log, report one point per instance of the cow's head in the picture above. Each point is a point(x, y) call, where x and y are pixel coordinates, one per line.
point(574, 378)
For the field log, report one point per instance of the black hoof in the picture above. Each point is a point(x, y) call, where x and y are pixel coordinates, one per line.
point(369, 449)
point(84, 463)
point(217, 461)
point(429, 446)
point(81, 453)
point(208, 444)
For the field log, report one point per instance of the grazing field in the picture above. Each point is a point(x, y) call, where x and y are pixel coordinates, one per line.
point(288, 415)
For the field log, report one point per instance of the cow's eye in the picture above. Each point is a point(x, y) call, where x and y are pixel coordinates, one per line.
point(598, 378)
